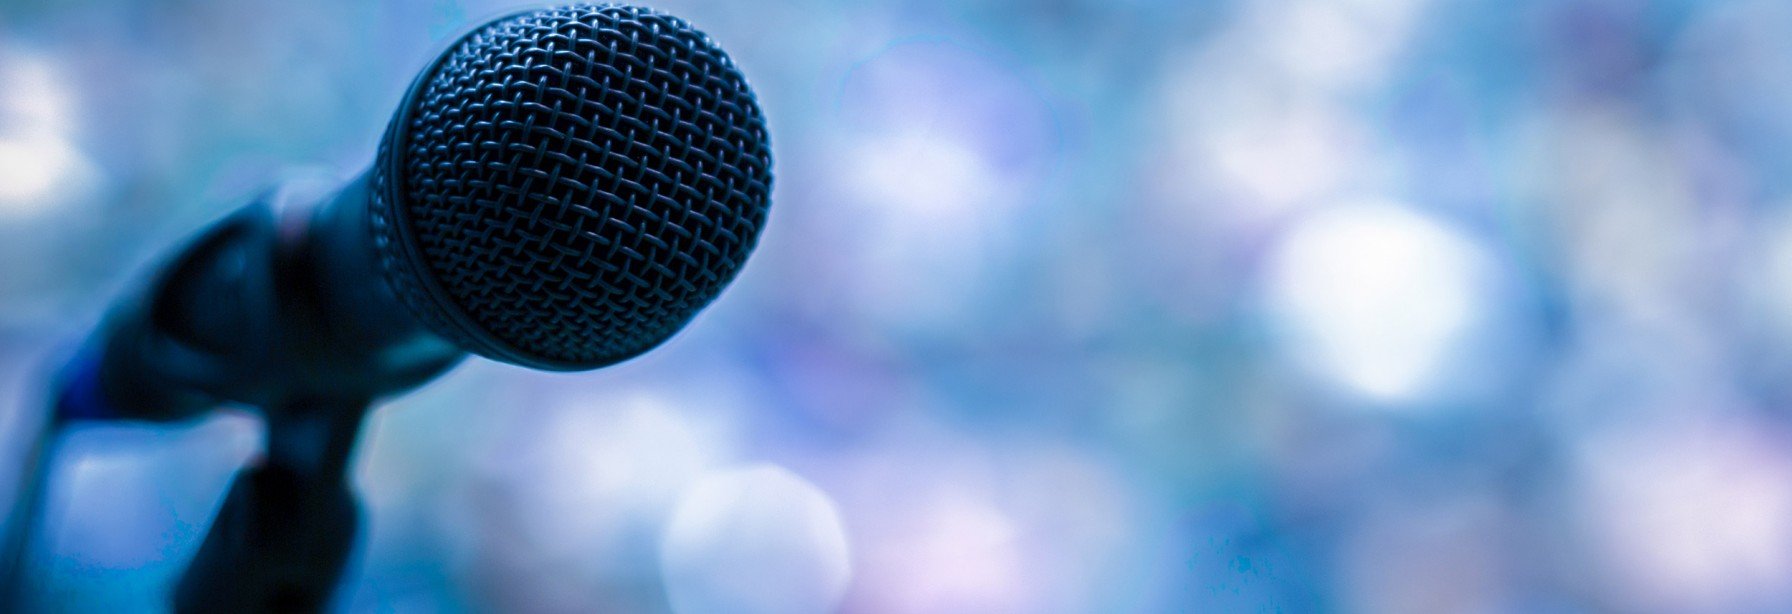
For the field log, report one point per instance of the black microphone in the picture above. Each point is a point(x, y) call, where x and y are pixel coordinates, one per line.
point(562, 189)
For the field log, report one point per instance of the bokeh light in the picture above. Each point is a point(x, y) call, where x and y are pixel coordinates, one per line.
point(1374, 295)
point(1689, 513)
point(940, 149)
point(758, 539)
point(40, 167)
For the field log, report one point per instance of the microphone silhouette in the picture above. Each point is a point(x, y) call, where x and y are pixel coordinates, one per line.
point(562, 189)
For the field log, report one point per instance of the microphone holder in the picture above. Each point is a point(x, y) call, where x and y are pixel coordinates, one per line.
point(254, 312)
point(282, 538)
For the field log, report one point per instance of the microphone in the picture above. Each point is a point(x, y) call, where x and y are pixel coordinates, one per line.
point(562, 189)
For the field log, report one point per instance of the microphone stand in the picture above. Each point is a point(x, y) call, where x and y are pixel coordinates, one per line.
point(25, 516)
point(280, 541)
point(271, 307)
point(282, 538)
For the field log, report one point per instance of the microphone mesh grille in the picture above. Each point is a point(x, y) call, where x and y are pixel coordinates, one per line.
point(572, 185)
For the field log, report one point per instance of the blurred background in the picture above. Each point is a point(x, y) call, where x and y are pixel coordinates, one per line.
point(1064, 306)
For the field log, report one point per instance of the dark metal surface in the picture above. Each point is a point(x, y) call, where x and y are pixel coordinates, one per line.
point(568, 187)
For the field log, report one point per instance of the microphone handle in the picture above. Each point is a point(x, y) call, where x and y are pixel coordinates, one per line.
point(282, 299)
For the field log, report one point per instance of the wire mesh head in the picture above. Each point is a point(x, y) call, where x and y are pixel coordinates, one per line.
point(566, 188)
